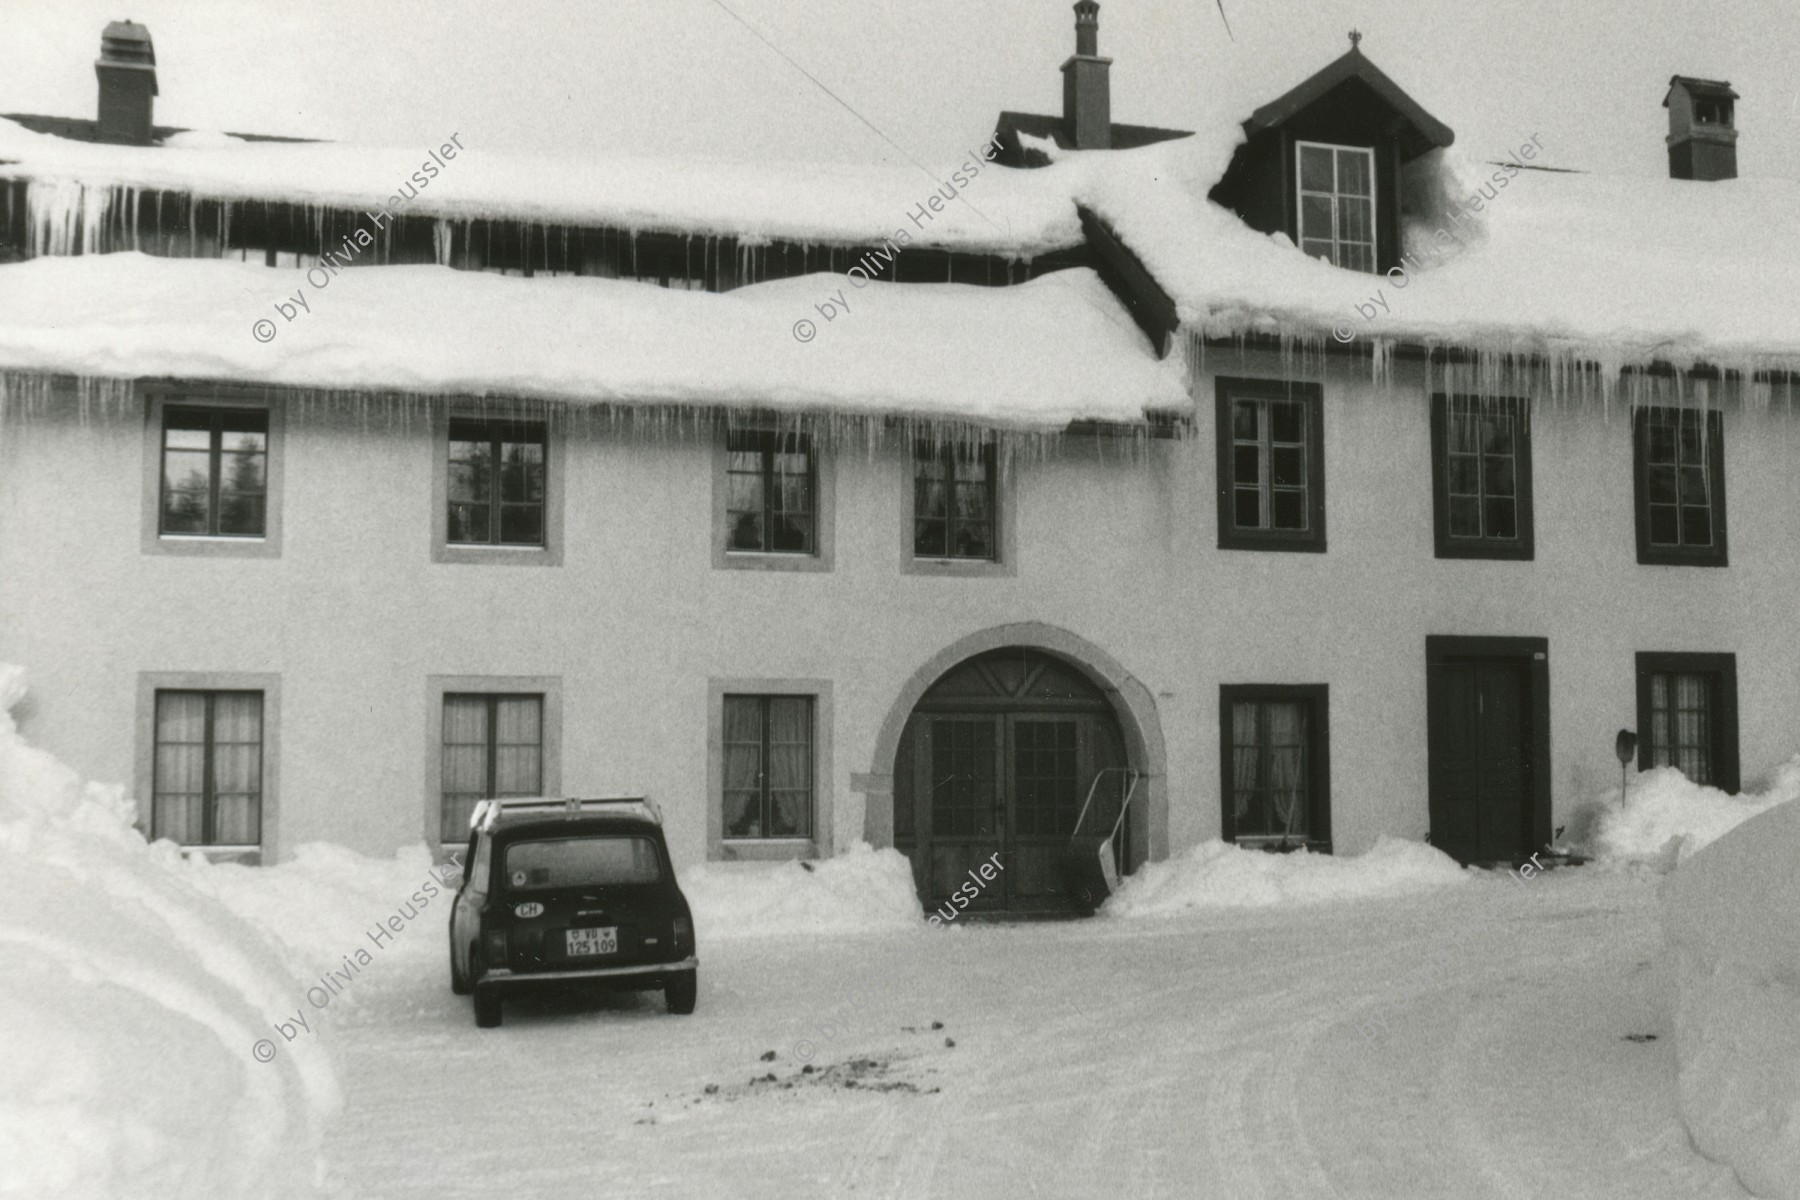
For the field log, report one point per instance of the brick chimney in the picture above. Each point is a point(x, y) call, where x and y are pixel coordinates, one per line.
point(1702, 133)
point(1087, 95)
point(127, 71)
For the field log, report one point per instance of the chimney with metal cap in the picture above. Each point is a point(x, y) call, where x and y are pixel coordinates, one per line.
point(1087, 98)
point(1703, 133)
point(127, 72)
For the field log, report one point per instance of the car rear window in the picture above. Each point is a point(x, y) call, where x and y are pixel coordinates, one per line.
point(581, 862)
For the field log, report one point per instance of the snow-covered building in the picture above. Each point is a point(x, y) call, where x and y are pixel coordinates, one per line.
point(340, 487)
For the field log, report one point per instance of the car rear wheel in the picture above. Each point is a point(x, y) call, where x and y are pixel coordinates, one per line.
point(487, 1000)
point(681, 992)
point(459, 983)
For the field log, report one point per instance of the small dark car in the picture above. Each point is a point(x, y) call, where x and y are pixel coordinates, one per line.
point(570, 891)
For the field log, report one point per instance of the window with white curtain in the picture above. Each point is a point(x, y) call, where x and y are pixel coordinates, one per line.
point(1681, 723)
point(493, 748)
point(1269, 770)
point(208, 768)
point(1275, 765)
point(768, 743)
point(1688, 715)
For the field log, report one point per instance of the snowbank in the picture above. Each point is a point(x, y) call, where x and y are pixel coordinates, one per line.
point(859, 891)
point(324, 901)
point(1035, 356)
point(133, 1006)
point(1216, 874)
point(1731, 915)
point(1667, 817)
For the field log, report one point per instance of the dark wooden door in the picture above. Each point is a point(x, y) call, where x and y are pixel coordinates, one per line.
point(1480, 746)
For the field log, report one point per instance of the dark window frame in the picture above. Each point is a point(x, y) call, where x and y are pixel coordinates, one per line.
point(491, 751)
point(1311, 540)
point(1717, 554)
point(497, 432)
point(768, 443)
point(209, 782)
point(765, 800)
point(950, 456)
point(1722, 668)
point(1521, 548)
point(218, 420)
point(1317, 696)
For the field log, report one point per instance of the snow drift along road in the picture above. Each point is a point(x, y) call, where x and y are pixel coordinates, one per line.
point(1732, 918)
point(133, 1003)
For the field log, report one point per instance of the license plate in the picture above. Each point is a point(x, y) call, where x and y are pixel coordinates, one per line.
point(586, 943)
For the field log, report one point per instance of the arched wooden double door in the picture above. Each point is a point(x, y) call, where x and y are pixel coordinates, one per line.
point(997, 759)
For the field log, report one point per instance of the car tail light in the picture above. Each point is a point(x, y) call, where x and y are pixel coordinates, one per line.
point(493, 947)
point(684, 934)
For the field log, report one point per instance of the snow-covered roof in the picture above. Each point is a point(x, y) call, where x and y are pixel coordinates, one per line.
point(1610, 270)
point(1037, 356)
point(1002, 211)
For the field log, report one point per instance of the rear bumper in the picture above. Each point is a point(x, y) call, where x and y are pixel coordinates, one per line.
point(642, 974)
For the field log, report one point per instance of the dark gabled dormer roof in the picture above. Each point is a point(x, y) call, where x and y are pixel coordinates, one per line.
point(1425, 131)
point(1038, 125)
point(1700, 87)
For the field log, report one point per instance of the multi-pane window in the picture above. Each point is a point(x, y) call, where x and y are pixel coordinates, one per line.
point(964, 787)
point(768, 767)
point(496, 483)
point(1274, 768)
point(215, 464)
point(1481, 474)
point(1046, 797)
point(207, 788)
point(493, 747)
point(1271, 469)
point(1268, 449)
point(1681, 721)
point(1687, 716)
point(1268, 769)
point(1680, 486)
point(1337, 204)
point(769, 501)
point(953, 502)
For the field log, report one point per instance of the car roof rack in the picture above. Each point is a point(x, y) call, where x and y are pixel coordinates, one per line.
point(487, 812)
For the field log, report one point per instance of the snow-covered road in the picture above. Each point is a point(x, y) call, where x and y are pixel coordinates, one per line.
point(1465, 1044)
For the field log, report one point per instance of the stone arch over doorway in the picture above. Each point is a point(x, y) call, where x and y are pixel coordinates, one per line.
point(1130, 705)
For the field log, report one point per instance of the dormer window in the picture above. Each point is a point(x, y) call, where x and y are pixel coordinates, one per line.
point(1337, 204)
point(1311, 159)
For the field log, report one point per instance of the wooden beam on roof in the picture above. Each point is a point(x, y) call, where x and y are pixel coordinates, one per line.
point(1150, 306)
